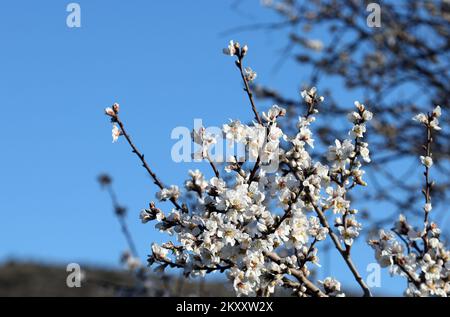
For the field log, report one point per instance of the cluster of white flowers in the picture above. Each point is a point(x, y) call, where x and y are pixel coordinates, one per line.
point(234, 226)
point(256, 227)
point(420, 256)
point(250, 75)
point(310, 96)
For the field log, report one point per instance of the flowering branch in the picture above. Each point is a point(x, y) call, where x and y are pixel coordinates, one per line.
point(426, 269)
point(247, 76)
point(113, 112)
point(213, 166)
point(427, 161)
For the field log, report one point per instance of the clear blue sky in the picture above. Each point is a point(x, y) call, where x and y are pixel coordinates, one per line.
point(162, 61)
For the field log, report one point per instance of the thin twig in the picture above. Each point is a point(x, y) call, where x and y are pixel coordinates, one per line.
point(119, 211)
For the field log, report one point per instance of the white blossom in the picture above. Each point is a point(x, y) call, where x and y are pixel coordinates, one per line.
point(230, 49)
point(265, 228)
point(340, 152)
point(348, 229)
point(364, 151)
point(159, 252)
point(421, 117)
point(115, 133)
point(358, 131)
point(437, 112)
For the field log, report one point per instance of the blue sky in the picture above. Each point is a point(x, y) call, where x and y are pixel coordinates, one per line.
point(162, 61)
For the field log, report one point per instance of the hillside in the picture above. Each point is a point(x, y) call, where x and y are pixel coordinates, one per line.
point(38, 279)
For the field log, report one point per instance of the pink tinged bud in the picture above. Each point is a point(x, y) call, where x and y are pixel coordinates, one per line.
point(110, 112)
point(244, 50)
